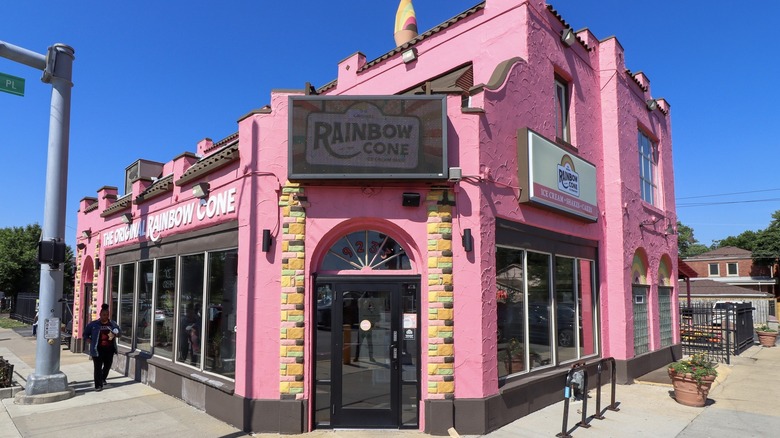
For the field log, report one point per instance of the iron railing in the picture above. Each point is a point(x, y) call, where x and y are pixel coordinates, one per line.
point(718, 331)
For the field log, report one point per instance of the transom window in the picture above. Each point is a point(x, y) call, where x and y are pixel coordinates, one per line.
point(366, 250)
point(647, 168)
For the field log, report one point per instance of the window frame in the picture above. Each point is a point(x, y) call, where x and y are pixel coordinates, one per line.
point(648, 162)
point(562, 110)
point(736, 269)
point(134, 314)
point(717, 269)
point(554, 360)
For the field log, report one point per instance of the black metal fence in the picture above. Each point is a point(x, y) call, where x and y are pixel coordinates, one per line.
point(717, 329)
point(24, 307)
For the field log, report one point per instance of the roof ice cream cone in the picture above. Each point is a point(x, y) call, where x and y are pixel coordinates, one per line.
point(405, 23)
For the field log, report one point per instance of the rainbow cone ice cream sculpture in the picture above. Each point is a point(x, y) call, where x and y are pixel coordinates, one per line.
point(405, 23)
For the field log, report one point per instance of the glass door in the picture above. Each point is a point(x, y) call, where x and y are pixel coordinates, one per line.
point(367, 354)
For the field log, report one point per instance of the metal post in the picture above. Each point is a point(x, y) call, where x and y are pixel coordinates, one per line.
point(57, 69)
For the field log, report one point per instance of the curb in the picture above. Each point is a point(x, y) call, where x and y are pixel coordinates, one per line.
point(10, 392)
point(22, 398)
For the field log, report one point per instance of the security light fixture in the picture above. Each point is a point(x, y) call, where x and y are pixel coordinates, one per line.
point(568, 37)
point(456, 174)
point(468, 240)
point(86, 233)
point(201, 190)
point(409, 55)
point(411, 200)
point(266, 240)
point(127, 218)
point(652, 104)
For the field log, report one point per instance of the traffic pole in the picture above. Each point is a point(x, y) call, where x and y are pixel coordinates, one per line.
point(48, 383)
point(47, 378)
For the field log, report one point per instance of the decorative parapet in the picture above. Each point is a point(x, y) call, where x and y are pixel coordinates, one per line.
point(441, 354)
point(293, 287)
point(162, 185)
point(95, 282)
point(77, 294)
point(120, 204)
point(210, 163)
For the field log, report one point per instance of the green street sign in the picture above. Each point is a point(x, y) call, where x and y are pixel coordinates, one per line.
point(11, 84)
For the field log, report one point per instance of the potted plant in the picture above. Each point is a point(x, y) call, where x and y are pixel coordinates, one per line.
point(766, 336)
point(514, 356)
point(692, 379)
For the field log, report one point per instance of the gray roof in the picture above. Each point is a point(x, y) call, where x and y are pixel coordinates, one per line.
point(710, 287)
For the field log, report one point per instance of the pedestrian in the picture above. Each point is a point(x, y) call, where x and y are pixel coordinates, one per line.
point(101, 335)
point(35, 325)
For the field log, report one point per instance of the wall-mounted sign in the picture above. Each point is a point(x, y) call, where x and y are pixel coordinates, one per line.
point(155, 224)
point(554, 177)
point(368, 137)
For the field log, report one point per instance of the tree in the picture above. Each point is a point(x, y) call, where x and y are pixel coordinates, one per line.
point(746, 240)
point(687, 245)
point(684, 239)
point(19, 267)
point(767, 244)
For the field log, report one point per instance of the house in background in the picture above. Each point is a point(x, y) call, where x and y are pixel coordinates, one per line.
point(704, 290)
point(733, 266)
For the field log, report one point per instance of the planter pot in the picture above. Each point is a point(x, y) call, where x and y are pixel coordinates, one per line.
point(687, 391)
point(767, 339)
point(517, 365)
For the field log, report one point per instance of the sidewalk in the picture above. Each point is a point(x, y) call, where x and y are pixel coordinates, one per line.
point(742, 403)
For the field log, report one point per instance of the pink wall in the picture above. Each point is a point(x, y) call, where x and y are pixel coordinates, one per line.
point(607, 109)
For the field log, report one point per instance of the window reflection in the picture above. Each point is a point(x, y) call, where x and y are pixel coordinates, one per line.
point(126, 292)
point(190, 309)
point(221, 314)
point(143, 328)
point(554, 304)
point(164, 307)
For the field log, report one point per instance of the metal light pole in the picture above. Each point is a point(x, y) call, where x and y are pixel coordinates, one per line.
point(57, 66)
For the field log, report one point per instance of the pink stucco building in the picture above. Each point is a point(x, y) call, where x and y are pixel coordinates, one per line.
point(428, 241)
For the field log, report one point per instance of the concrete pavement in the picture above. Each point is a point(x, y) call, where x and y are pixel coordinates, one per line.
point(743, 402)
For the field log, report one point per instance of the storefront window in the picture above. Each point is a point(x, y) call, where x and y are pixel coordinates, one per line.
point(587, 307)
point(164, 307)
point(190, 309)
point(143, 328)
point(539, 309)
point(126, 293)
point(221, 313)
point(566, 309)
point(510, 300)
point(560, 321)
point(113, 291)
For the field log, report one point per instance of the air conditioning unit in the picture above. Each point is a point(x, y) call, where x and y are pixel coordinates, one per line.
point(141, 169)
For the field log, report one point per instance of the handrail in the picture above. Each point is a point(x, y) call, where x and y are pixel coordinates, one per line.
point(567, 392)
point(613, 406)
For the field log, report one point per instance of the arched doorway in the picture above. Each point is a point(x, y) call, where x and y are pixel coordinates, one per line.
point(85, 304)
point(367, 340)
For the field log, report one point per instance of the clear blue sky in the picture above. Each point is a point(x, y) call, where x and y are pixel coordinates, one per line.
point(154, 77)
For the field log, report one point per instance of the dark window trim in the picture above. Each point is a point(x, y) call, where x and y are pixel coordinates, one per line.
point(218, 237)
point(527, 237)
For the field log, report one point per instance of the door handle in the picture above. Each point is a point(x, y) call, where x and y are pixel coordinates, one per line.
point(394, 355)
